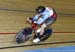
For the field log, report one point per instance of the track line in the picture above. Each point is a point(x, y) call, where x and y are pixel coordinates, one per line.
point(17, 10)
point(9, 33)
point(37, 44)
point(63, 32)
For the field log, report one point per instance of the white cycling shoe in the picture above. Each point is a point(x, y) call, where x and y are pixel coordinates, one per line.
point(36, 40)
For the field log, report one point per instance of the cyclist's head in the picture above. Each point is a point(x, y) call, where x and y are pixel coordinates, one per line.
point(40, 9)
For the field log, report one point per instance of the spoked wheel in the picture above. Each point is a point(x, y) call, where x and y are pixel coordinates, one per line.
point(23, 35)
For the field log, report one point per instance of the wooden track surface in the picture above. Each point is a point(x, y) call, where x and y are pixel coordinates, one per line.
point(14, 13)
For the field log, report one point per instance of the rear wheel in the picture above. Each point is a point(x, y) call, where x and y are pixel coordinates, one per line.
point(46, 35)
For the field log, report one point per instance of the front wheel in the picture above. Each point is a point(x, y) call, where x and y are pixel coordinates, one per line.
point(23, 35)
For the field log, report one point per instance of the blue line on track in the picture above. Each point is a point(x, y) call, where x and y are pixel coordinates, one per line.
point(55, 49)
